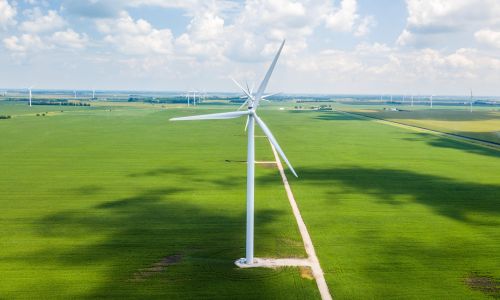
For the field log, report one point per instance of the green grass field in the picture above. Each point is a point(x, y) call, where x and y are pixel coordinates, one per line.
point(482, 123)
point(123, 203)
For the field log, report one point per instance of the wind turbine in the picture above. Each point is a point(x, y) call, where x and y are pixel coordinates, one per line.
point(431, 100)
point(187, 97)
point(93, 94)
point(471, 100)
point(30, 94)
point(253, 102)
point(412, 100)
point(74, 94)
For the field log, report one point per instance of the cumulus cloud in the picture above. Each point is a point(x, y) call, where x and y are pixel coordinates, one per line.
point(204, 37)
point(24, 43)
point(135, 37)
point(428, 20)
point(69, 39)
point(7, 14)
point(344, 17)
point(42, 23)
point(365, 26)
point(488, 37)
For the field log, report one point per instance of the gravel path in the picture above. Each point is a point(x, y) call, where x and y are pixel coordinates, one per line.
point(311, 253)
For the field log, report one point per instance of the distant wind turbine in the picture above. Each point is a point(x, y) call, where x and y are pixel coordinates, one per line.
point(431, 100)
point(471, 100)
point(30, 94)
point(187, 95)
point(252, 101)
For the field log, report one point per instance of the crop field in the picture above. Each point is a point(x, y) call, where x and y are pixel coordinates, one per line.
point(115, 201)
point(482, 123)
point(124, 203)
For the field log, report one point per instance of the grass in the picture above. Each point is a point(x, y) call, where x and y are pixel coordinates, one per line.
point(393, 213)
point(93, 199)
point(481, 123)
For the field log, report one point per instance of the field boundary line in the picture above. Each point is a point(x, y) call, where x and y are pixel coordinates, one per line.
point(452, 136)
point(306, 238)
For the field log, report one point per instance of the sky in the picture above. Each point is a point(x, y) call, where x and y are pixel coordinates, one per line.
point(440, 47)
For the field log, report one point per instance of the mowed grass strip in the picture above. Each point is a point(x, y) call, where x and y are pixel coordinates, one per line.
point(125, 204)
point(393, 213)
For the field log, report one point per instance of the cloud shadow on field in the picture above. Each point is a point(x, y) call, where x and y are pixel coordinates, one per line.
point(447, 197)
point(450, 143)
point(432, 115)
point(338, 117)
point(125, 236)
point(163, 171)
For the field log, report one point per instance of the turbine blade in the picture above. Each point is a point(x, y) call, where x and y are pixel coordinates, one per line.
point(248, 89)
point(264, 82)
point(218, 116)
point(270, 95)
point(273, 141)
point(241, 88)
point(243, 105)
point(246, 124)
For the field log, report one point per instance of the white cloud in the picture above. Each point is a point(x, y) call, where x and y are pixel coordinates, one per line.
point(428, 20)
point(7, 14)
point(42, 23)
point(135, 37)
point(69, 39)
point(26, 42)
point(343, 18)
point(488, 37)
point(365, 26)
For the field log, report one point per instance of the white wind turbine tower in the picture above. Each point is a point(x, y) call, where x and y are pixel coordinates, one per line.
point(431, 100)
point(412, 100)
point(30, 94)
point(253, 101)
point(194, 97)
point(471, 100)
point(187, 95)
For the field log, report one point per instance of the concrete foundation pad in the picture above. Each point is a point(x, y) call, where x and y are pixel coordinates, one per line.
point(273, 262)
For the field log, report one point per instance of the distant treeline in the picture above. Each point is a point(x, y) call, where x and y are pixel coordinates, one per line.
point(4, 117)
point(178, 99)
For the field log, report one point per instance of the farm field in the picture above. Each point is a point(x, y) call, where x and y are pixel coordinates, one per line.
point(482, 123)
point(393, 213)
point(123, 203)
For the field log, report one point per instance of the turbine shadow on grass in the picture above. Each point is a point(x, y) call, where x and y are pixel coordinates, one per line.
point(126, 235)
point(447, 197)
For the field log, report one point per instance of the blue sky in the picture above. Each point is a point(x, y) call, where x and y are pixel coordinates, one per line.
point(342, 46)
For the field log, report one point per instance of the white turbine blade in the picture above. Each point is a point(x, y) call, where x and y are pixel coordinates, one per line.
point(219, 116)
point(246, 124)
point(270, 95)
point(248, 88)
point(273, 141)
point(243, 105)
point(244, 91)
point(264, 82)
